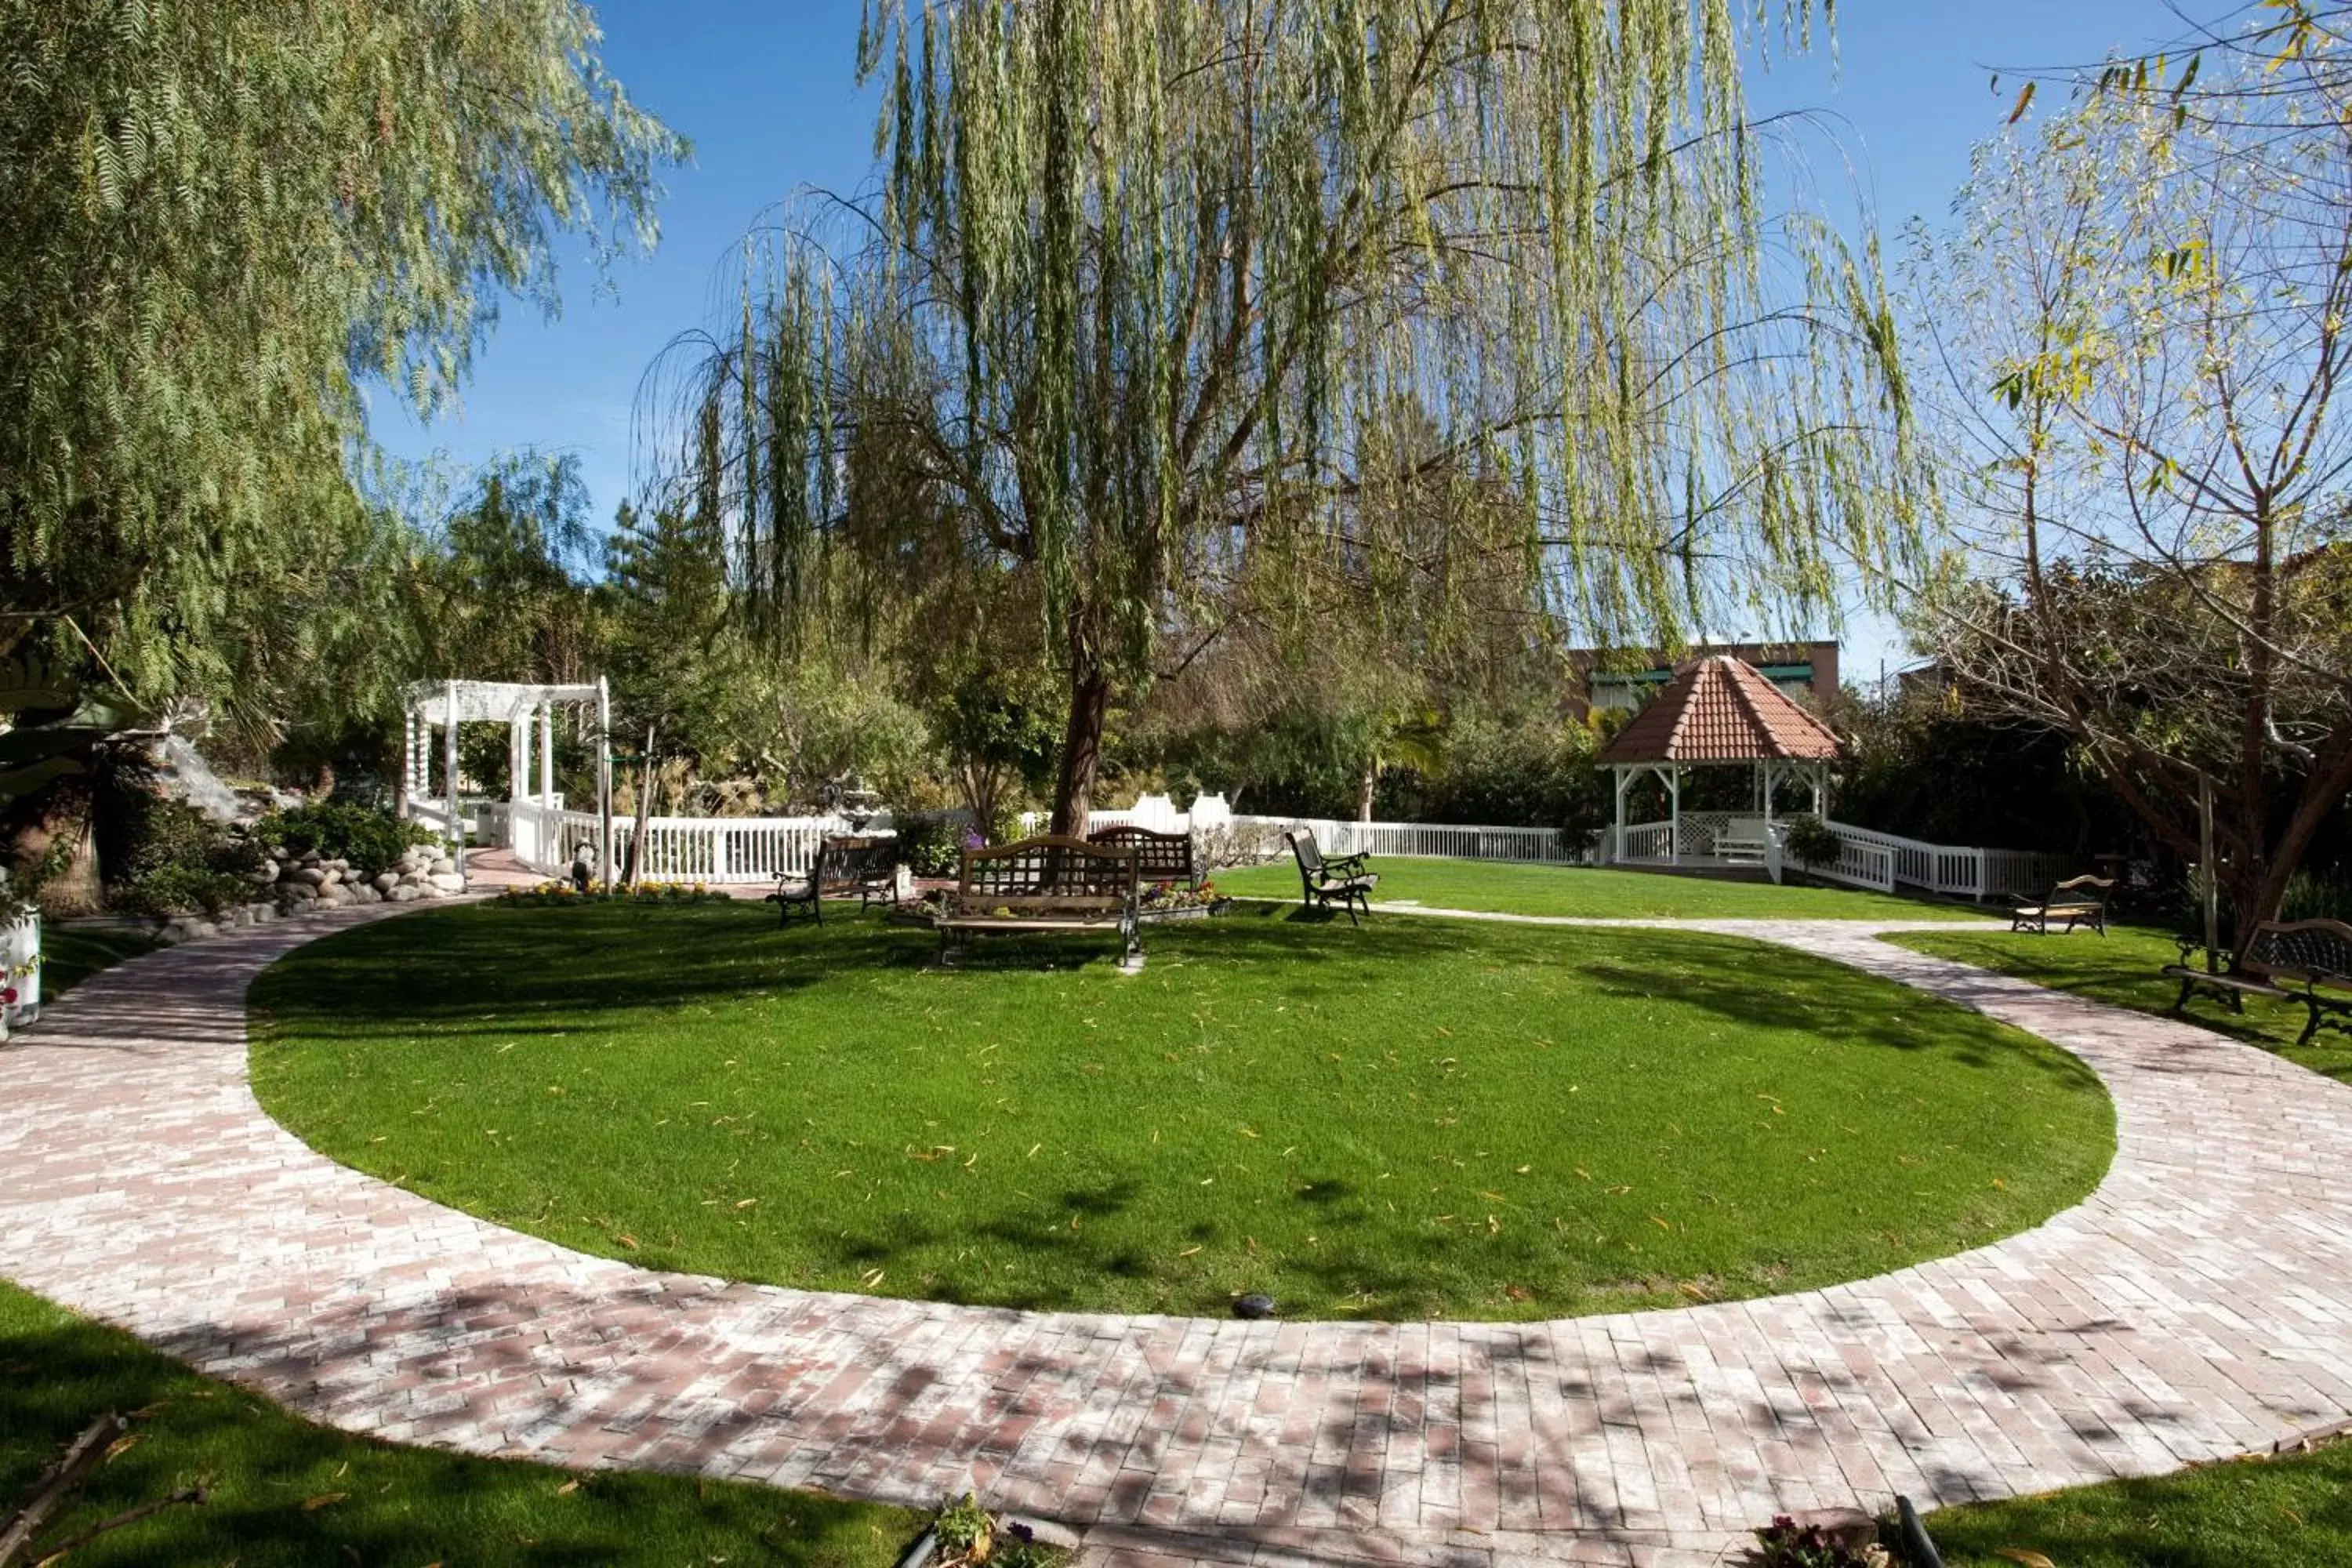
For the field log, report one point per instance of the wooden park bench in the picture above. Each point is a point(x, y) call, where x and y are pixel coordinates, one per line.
point(1343, 876)
point(1043, 887)
point(2288, 961)
point(2079, 900)
point(1159, 857)
point(866, 866)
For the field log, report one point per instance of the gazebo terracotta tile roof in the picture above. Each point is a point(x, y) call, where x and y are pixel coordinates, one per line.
point(1718, 710)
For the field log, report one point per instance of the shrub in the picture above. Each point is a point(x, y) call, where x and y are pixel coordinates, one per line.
point(1784, 1544)
point(181, 890)
point(370, 840)
point(141, 832)
point(931, 845)
point(1812, 841)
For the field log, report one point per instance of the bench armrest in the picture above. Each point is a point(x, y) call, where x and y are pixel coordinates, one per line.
point(1346, 865)
point(2190, 945)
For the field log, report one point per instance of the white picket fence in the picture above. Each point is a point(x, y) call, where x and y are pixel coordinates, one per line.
point(1866, 858)
point(709, 849)
point(714, 850)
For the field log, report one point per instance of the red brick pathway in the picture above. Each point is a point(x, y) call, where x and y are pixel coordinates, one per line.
point(2199, 1305)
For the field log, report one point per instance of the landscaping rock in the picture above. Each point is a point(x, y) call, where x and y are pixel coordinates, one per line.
point(311, 875)
point(407, 893)
point(443, 866)
point(448, 882)
point(386, 881)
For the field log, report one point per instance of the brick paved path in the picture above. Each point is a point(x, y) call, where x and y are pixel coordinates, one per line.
point(2199, 1305)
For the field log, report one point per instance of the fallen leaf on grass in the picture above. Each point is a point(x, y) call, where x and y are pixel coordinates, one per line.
point(567, 1489)
point(122, 1444)
point(628, 1241)
point(2020, 1554)
point(324, 1499)
point(747, 1202)
point(1188, 1252)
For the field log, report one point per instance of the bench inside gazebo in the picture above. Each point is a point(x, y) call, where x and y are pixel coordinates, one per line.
point(1716, 713)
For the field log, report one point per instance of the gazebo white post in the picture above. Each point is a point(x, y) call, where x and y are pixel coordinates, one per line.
point(520, 826)
point(407, 760)
point(1624, 776)
point(1674, 815)
point(547, 756)
point(604, 781)
point(449, 761)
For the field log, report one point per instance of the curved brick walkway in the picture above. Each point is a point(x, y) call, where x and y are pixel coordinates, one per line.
point(2199, 1305)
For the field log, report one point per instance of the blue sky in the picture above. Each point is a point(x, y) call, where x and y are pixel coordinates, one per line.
point(763, 89)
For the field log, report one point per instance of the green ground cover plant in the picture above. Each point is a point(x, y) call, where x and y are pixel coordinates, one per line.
point(1420, 1118)
point(284, 1492)
point(70, 955)
point(2293, 1511)
point(1518, 888)
point(2121, 969)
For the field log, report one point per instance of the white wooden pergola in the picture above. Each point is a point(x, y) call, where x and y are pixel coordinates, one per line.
point(527, 710)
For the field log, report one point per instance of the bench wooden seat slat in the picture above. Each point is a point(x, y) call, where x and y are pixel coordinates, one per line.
point(2288, 961)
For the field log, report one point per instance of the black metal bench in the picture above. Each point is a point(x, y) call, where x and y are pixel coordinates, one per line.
point(1159, 857)
point(866, 866)
point(1045, 886)
point(1322, 880)
point(2288, 961)
point(2080, 900)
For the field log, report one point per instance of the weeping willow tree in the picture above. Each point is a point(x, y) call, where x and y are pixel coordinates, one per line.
point(1142, 286)
point(220, 221)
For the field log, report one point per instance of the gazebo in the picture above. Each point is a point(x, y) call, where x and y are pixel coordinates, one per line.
point(525, 709)
point(1716, 712)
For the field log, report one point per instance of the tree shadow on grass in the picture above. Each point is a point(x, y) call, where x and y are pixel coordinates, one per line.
point(284, 1492)
point(692, 1378)
point(1770, 988)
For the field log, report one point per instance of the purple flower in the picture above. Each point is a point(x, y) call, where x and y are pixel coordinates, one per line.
point(972, 840)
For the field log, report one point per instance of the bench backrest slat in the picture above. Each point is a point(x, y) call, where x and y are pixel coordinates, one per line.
point(1159, 857)
point(1047, 869)
point(2317, 950)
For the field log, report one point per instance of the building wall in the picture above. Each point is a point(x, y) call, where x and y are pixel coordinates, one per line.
point(1807, 671)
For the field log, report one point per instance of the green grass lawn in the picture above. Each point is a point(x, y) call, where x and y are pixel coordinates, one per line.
point(70, 956)
point(284, 1491)
point(1513, 887)
point(2292, 1512)
point(1420, 1118)
point(2121, 969)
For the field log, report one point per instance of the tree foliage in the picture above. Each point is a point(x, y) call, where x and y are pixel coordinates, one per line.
point(2144, 314)
point(220, 220)
point(1168, 306)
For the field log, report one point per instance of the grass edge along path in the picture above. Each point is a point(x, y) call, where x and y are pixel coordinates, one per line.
point(2288, 1510)
point(71, 954)
point(1420, 1119)
point(286, 1493)
point(1588, 892)
point(2121, 970)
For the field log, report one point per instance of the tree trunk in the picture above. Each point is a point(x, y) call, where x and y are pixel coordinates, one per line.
point(645, 811)
point(1074, 792)
point(1371, 782)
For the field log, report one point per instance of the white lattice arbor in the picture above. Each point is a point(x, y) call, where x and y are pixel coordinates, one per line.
point(527, 710)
